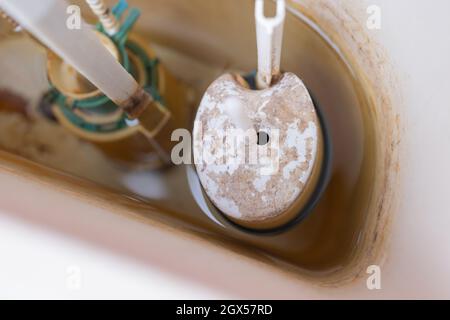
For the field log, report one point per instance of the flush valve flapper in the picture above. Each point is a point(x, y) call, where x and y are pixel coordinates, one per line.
point(259, 150)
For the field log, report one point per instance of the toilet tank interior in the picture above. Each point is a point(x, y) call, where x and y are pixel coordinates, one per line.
point(197, 41)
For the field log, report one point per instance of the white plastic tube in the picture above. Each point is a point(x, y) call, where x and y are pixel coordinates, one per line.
point(269, 32)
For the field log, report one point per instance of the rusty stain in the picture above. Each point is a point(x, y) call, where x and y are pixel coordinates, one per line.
point(137, 103)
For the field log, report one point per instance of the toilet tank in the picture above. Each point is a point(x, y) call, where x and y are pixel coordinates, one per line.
point(83, 219)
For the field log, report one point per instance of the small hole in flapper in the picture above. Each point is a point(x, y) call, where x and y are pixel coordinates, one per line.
point(263, 138)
